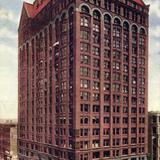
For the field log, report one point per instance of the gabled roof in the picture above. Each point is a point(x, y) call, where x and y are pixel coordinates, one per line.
point(139, 2)
point(32, 10)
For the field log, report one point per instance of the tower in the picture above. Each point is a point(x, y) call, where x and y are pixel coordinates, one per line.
point(83, 76)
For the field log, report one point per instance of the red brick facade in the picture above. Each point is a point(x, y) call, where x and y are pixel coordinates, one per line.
point(83, 80)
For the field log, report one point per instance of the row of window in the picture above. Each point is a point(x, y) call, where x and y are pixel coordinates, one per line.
point(115, 142)
point(86, 96)
point(107, 119)
point(118, 9)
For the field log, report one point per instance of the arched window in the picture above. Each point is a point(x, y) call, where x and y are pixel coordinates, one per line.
point(117, 21)
point(107, 19)
point(142, 31)
point(71, 11)
point(85, 9)
point(126, 26)
point(134, 29)
point(63, 17)
point(96, 15)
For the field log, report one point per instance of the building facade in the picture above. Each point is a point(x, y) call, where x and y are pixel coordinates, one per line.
point(83, 77)
point(8, 140)
point(154, 135)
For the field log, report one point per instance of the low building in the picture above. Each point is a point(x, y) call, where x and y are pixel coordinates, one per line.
point(8, 140)
point(154, 135)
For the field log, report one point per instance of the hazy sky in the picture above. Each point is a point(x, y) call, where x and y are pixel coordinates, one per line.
point(9, 17)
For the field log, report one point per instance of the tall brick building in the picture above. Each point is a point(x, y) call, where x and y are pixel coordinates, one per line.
point(83, 76)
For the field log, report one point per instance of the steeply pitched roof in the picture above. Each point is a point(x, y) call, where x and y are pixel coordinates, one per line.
point(139, 2)
point(33, 10)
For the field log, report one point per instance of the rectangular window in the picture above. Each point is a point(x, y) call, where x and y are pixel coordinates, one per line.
point(84, 47)
point(85, 59)
point(84, 35)
point(84, 71)
point(85, 96)
point(84, 21)
point(85, 83)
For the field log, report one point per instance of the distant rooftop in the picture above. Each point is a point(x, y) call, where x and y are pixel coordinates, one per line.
point(8, 121)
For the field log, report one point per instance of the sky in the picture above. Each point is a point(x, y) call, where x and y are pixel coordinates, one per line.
point(9, 18)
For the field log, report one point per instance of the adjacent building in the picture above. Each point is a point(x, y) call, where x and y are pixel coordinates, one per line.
point(8, 140)
point(83, 77)
point(154, 135)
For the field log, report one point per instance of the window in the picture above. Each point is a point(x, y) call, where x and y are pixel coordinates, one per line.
point(107, 41)
point(96, 51)
point(134, 90)
point(141, 91)
point(116, 142)
point(96, 96)
point(84, 71)
point(116, 76)
point(84, 132)
point(106, 120)
point(106, 76)
point(106, 142)
point(141, 81)
point(125, 140)
point(84, 47)
point(106, 108)
point(96, 14)
point(96, 85)
point(95, 154)
point(116, 55)
point(106, 53)
point(85, 59)
point(116, 120)
point(106, 64)
point(125, 68)
point(95, 120)
point(96, 74)
point(85, 9)
point(85, 35)
point(96, 38)
point(116, 87)
point(84, 120)
point(85, 83)
point(85, 95)
point(134, 80)
point(125, 89)
point(125, 152)
point(106, 154)
point(107, 30)
point(125, 120)
point(96, 131)
point(107, 4)
point(85, 107)
point(117, 32)
point(84, 21)
point(106, 131)
point(96, 27)
point(125, 130)
point(116, 65)
point(96, 108)
point(96, 62)
point(116, 98)
point(106, 98)
point(106, 87)
point(141, 61)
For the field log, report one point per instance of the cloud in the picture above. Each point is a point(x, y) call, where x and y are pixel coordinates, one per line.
point(6, 33)
point(7, 15)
